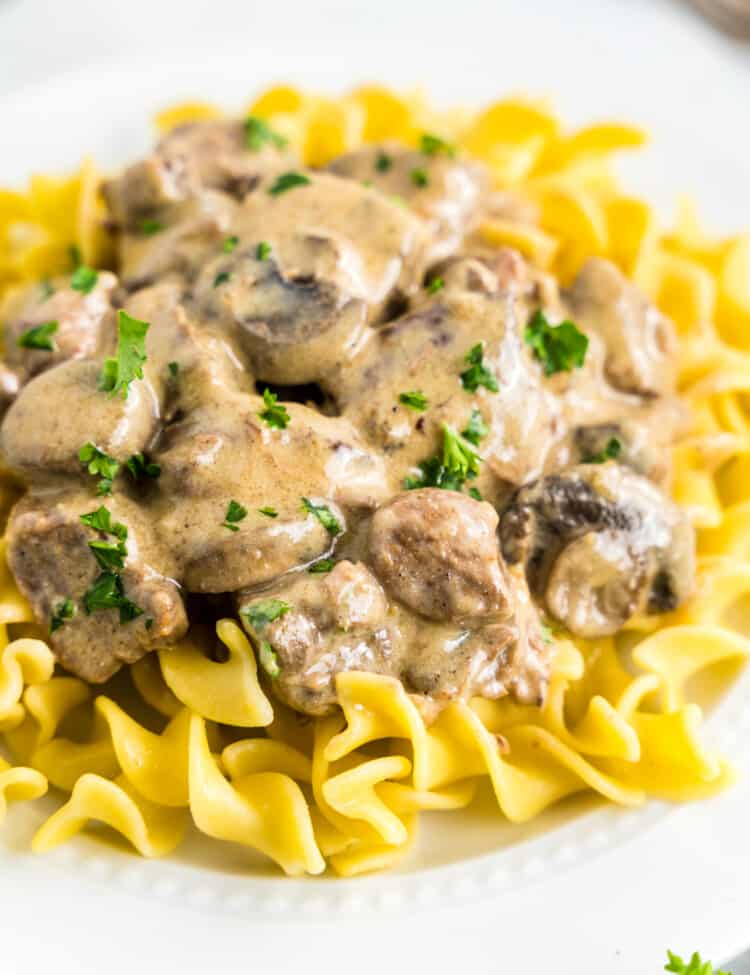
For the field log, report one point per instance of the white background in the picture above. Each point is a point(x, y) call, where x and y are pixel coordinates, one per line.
point(647, 60)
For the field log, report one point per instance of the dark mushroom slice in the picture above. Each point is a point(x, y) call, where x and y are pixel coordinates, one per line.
point(56, 569)
point(62, 409)
point(44, 326)
point(599, 544)
point(640, 342)
point(334, 256)
point(225, 451)
point(445, 191)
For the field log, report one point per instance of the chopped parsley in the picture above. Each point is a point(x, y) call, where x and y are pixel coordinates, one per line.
point(415, 400)
point(477, 374)
point(109, 555)
point(268, 512)
point(235, 513)
point(476, 429)
point(151, 227)
point(107, 592)
point(433, 145)
point(65, 610)
point(230, 243)
point(259, 133)
point(84, 279)
point(101, 521)
point(47, 289)
point(324, 565)
point(435, 285)
point(324, 515)
point(221, 278)
point(99, 465)
point(610, 451)
point(74, 252)
point(260, 614)
point(275, 414)
point(450, 469)
point(419, 177)
point(39, 337)
point(263, 250)
point(268, 659)
point(559, 348)
point(174, 368)
point(696, 965)
point(476, 494)
point(288, 181)
point(383, 162)
point(139, 467)
point(117, 374)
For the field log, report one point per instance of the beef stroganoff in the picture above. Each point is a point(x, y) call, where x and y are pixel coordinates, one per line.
point(355, 451)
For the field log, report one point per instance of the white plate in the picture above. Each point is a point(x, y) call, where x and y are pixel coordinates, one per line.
point(602, 890)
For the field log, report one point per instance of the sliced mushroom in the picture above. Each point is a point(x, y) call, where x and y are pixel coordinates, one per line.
point(599, 544)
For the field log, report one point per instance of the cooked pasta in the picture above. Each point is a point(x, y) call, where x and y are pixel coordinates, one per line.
point(196, 739)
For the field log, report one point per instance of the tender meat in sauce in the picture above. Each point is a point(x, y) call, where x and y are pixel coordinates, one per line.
point(50, 557)
point(600, 544)
point(445, 191)
point(80, 319)
point(370, 298)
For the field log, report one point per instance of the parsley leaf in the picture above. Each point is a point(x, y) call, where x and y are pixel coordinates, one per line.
point(74, 252)
point(269, 512)
point(324, 515)
point(221, 278)
point(288, 181)
point(260, 614)
point(39, 337)
point(235, 512)
point(275, 414)
point(258, 133)
point(230, 243)
point(383, 162)
point(415, 399)
point(151, 227)
point(139, 467)
point(449, 470)
point(84, 279)
point(268, 659)
point(476, 429)
point(696, 965)
point(419, 177)
point(65, 610)
point(477, 374)
point(324, 565)
point(610, 451)
point(263, 250)
point(101, 521)
point(435, 285)
point(109, 555)
point(174, 368)
point(106, 592)
point(432, 145)
point(476, 494)
point(99, 465)
point(559, 348)
point(118, 373)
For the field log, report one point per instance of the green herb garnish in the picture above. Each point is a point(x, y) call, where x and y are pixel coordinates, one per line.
point(99, 465)
point(476, 429)
point(151, 227)
point(610, 451)
point(269, 512)
point(106, 592)
point(74, 252)
point(139, 467)
point(275, 414)
point(101, 521)
point(288, 181)
point(235, 513)
point(64, 611)
point(435, 285)
point(324, 515)
point(221, 278)
point(696, 965)
point(432, 145)
point(117, 374)
point(477, 374)
point(476, 494)
point(419, 177)
point(174, 368)
point(230, 243)
point(260, 614)
point(109, 555)
point(559, 348)
point(415, 400)
point(450, 469)
point(263, 250)
point(383, 162)
point(84, 279)
point(324, 565)
point(39, 337)
point(268, 659)
point(259, 133)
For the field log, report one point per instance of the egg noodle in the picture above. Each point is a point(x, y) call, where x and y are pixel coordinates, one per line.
point(186, 742)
